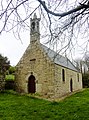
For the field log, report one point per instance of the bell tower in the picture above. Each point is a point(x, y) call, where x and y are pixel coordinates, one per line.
point(34, 29)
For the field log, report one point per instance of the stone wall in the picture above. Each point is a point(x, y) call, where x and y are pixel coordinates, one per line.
point(63, 87)
point(36, 62)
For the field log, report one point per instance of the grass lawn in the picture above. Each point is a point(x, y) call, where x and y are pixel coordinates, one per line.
point(22, 107)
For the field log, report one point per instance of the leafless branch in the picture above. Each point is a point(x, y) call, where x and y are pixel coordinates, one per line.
point(80, 7)
point(61, 21)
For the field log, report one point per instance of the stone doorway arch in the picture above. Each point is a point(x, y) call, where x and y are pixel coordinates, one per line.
point(31, 84)
point(71, 85)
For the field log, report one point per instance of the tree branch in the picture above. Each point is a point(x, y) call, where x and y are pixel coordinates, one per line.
point(78, 8)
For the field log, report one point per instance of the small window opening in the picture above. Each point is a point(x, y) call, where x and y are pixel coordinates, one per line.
point(78, 77)
point(32, 59)
point(63, 75)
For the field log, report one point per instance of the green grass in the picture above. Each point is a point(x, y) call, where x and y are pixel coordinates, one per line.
point(22, 107)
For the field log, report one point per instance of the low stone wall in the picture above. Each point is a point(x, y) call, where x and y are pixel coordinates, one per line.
point(10, 85)
point(2, 83)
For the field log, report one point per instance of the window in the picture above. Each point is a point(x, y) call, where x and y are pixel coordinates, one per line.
point(63, 75)
point(78, 77)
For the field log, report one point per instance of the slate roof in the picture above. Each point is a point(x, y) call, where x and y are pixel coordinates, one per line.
point(59, 59)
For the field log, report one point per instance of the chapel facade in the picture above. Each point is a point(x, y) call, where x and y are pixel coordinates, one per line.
point(39, 71)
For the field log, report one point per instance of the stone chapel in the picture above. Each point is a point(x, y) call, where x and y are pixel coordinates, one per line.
point(39, 71)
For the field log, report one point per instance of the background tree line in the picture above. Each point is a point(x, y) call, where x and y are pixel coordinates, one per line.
point(7, 73)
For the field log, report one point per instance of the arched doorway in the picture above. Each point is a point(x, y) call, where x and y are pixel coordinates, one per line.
point(31, 84)
point(71, 85)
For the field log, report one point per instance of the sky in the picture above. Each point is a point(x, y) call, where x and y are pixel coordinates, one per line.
point(13, 48)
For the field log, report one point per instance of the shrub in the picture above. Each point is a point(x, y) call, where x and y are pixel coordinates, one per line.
point(10, 77)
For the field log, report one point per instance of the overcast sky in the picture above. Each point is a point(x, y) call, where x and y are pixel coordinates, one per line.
point(13, 49)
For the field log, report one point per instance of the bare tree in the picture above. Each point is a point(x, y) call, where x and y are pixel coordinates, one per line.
point(62, 21)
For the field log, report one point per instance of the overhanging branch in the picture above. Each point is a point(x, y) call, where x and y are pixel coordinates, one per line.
point(78, 8)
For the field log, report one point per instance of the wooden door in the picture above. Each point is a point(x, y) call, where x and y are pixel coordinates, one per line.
point(31, 84)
